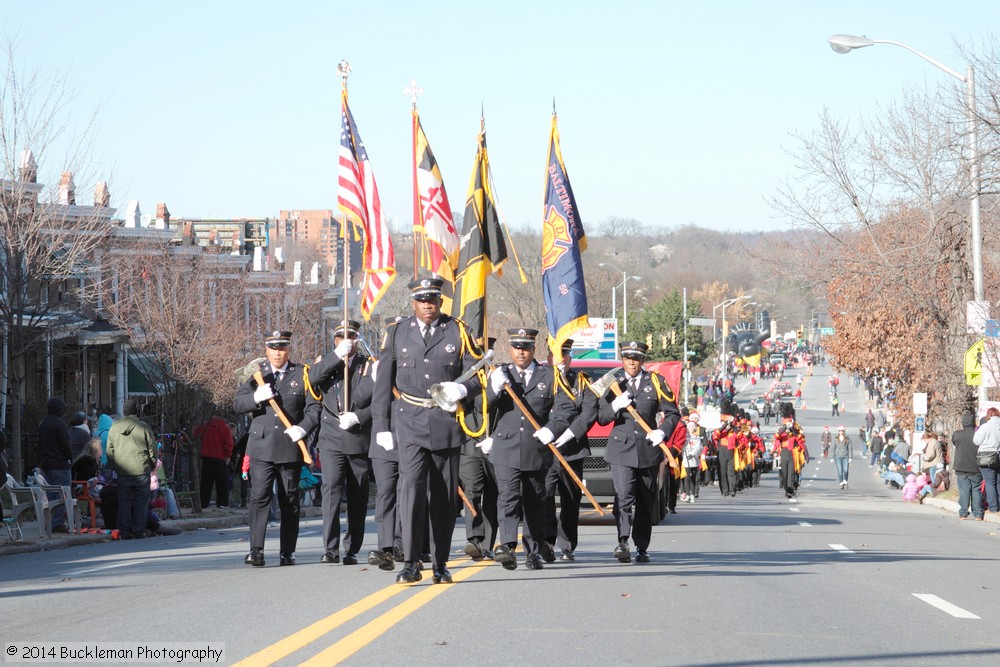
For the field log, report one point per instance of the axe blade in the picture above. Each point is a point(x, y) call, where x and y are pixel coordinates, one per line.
point(603, 384)
point(246, 372)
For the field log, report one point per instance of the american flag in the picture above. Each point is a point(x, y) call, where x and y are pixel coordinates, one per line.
point(357, 197)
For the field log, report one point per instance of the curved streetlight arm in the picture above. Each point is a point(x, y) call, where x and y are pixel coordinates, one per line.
point(847, 43)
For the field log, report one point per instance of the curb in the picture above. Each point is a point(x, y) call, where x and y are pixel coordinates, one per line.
point(201, 523)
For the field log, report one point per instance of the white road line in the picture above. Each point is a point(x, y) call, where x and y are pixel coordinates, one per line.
point(841, 548)
point(815, 476)
point(945, 606)
point(794, 509)
point(111, 566)
point(309, 532)
point(805, 523)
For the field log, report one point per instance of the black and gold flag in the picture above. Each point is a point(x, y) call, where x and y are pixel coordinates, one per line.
point(483, 249)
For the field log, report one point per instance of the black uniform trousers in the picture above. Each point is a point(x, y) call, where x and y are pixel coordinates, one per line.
point(673, 487)
point(521, 491)
point(635, 502)
point(214, 473)
point(727, 471)
point(788, 471)
point(564, 530)
point(428, 491)
point(387, 516)
point(480, 485)
point(344, 472)
point(263, 474)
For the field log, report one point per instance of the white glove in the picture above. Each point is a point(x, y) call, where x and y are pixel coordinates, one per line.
point(384, 440)
point(498, 378)
point(564, 438)
point(263, 394)
point(344, 348)
point(374, 370)
point(296, 433)
point(544, 435)
point(621, 402)
point(453, 392)
point(486, 445)
point(655, 437)
point(347, 420)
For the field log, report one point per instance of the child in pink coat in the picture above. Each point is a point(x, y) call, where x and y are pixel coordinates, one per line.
point(911, 488)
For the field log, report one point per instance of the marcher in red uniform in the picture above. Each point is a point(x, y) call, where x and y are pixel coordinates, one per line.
point(216, 448)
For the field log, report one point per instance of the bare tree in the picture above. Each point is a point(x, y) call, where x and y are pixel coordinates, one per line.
point(45, 237)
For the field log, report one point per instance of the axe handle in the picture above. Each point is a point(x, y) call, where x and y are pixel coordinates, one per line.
point(468, 505)
point(617, 391)
point(284, 420)
point(555, 450)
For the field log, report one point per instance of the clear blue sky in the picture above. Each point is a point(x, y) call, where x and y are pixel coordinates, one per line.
point(670, 112)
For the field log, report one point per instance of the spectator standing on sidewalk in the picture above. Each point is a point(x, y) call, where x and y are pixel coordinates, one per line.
point(56, 456)
point(132, 454)
point(877, 444)
point(216, 448)
point(987, 439)
point(967, 472)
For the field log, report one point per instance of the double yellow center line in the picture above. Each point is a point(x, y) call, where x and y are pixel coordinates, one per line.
point(364, 635)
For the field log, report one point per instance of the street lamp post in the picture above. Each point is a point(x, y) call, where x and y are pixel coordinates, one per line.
point(624, 286)
point(846, 44)
point(730, 303)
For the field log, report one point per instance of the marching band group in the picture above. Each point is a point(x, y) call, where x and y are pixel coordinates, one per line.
point(433, 422)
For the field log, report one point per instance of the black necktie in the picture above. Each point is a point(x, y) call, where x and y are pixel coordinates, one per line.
point(277, 376)
point(427, 333)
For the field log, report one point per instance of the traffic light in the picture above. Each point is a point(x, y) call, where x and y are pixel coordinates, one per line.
point(649, 340)
point(799, 334)
point(673, 337)
point(663, 342)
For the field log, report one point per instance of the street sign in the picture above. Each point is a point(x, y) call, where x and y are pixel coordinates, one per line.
point(976, 314)
point(918, 424)
point(827, 331)
point(974, 357)
point(702, 322)
point(919, 403)
point(992, 329)
point(602, 335)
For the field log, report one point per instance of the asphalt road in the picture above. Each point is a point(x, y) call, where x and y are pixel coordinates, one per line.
point(851, 576)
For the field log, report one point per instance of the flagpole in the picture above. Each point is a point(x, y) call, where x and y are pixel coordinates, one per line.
point(413, 91)
point(344, 71)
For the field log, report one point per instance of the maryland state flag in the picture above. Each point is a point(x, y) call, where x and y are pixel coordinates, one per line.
point(433, 229)
point(563, 239)
point(483, 250)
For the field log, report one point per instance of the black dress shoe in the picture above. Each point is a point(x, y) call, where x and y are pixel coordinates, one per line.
point(533, 562)
point(505, 557)
point(441, 575)
point(330, 557)
point(410, 573)
point(642, 557)
point(621, 552)
point(255, 558)
point(473, 550)
point(286, 559)
point(397, 554)
point(547, 553)
point(381, 559)
point(674, 511)
point(350, 559)
point(425, 557)
point(567, 555)
point(488, 554)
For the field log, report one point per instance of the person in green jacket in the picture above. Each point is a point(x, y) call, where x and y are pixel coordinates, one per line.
point(132, 455)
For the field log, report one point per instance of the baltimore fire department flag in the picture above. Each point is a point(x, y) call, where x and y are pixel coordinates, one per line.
point(563, 239)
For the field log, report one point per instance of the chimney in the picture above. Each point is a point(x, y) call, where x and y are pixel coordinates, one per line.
point(29, 170)
point(187, 234)
point(133, 216)
point(162, 216)
point(67, 189)
point(102, 198)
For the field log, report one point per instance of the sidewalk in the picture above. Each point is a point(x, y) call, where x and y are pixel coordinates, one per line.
point(210, 518)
